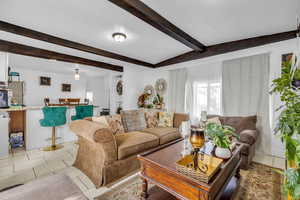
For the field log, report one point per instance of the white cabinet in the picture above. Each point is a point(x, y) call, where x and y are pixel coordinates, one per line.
point(3, 66)
point(4, 143)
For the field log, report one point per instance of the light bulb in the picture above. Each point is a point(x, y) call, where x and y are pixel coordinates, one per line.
point(77, 75)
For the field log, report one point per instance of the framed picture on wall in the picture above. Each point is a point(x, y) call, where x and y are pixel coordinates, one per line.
point(66, 87)
point(286, 57)
point(46, 81)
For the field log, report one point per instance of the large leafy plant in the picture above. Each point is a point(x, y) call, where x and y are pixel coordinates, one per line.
point(288, 126)
point(220, 134)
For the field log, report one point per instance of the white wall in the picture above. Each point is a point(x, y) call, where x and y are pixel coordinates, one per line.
point(135, 79)
point(3, 66)
point(34, 93)
point(99, 85)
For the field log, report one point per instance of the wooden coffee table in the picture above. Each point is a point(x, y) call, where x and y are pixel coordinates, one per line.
point(158, 168)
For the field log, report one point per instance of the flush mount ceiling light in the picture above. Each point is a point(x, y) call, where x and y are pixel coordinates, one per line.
point(77, 76)
point(119, 37)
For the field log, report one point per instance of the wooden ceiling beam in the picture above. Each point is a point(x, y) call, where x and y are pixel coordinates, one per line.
point(148, 15)
point(19, 30)
point(21, 49)
point(229, 47)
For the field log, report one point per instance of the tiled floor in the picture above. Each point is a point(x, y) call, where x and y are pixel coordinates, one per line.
point(24, 166)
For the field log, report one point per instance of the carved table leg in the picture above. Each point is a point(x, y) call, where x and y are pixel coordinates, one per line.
point(144, 193)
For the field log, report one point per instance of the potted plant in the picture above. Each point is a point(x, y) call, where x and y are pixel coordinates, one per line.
point(288, 125)
point(220, 135)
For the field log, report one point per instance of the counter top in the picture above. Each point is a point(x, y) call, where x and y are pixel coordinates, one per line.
point(31, 108)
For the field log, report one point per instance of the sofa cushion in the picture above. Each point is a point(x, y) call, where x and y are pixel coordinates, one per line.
point(165, 134)
point(151, 117)
point(135, 142)
point(115, 123)
point(133, 120)
point(165, 119)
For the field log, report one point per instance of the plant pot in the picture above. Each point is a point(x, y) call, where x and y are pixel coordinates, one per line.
point(296, 83)
point(224, 153)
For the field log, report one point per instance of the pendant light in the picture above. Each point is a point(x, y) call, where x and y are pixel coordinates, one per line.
point(77, 75)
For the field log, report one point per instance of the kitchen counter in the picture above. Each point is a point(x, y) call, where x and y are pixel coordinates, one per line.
point(37, 136)
point(32, 108)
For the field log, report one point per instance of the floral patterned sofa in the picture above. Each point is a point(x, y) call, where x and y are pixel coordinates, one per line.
point(108, 145)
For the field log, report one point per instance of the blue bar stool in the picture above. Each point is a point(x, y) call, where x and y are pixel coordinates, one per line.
point(83, 112)
point(53, 117)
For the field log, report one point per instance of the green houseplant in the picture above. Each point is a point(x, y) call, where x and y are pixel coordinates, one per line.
point(220, 135)
point(288, 125)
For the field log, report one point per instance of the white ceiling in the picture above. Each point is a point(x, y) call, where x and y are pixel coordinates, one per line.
point(92, 22)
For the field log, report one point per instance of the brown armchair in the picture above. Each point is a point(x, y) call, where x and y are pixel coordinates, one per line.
point(248, 134)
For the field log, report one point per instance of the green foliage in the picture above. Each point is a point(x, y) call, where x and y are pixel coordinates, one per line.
point(292, 183)
point(220, 134)
point(288, 125)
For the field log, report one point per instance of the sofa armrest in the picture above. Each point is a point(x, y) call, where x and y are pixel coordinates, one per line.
point(94, 132)
point(248, 136)
point(179, 118)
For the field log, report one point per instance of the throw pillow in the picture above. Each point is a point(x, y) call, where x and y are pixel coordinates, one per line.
point(151, 119)
point(115, 123)
point(133, 120)
point(215, 120)
point(165, 119)
point(101, 120)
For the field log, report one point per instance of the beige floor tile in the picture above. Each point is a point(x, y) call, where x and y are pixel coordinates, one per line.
point(55, 165)
point(263, 159)
point(79, 183)
point(42, 170)
point(6, 171)
point(18, 178)
point(35, 154)
point(86, 181)
point(278, 163)
point(68, 159)
point(6, 162)
point(17, 158)
point(29, 164)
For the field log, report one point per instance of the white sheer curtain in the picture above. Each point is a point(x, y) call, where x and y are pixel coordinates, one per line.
point(245, 84)
point(177, 86)
point(203, 91)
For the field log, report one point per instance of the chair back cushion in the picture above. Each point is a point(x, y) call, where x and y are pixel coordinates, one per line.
point(83, 112)
point(240, 123)
point(54, 116)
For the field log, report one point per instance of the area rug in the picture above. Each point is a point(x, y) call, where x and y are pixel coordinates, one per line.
point(260, 182)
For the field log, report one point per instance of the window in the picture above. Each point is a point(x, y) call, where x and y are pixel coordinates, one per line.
point(90, 96)
point(207, 97)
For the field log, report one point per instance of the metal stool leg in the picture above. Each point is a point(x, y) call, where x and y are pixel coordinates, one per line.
point(53, 146)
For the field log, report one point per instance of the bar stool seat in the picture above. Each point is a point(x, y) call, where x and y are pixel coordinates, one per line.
point(83, 111)
point(53, 117)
